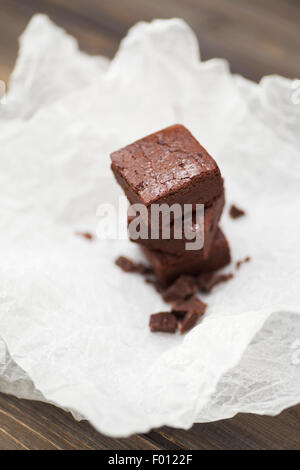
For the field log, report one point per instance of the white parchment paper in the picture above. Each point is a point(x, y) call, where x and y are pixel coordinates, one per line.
point(73, 327)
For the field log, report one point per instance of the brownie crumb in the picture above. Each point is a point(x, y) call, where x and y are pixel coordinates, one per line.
point(163, 322)
point(192, 305)
point(188, 322)
point(238, 264)
point(207, 281)
point(235, 212)
point(130, 266)
point(182, 288)
point(126, 264)
point(86, 235)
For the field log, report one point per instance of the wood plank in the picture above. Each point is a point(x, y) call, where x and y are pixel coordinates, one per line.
point(8, 442)
point(254, 39)
point(39, 425)
point(26, 437)
point(250, 35)
point(14, 17)
point(243, 432)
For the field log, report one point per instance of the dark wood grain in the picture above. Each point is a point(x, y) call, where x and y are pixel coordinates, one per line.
point(14, 16)
point(258, 37)
point(34, 425)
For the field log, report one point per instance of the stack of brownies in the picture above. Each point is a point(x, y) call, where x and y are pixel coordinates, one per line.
point(167, 167)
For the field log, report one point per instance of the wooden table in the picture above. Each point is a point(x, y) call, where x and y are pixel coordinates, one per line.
point(258, 37)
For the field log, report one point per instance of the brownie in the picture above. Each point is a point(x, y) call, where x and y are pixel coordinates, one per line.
point(169, 166)
point(163, 322)
point(192, 305)
point(168, 267)
point(187, 322)
point(175, 246)
point(182, 288)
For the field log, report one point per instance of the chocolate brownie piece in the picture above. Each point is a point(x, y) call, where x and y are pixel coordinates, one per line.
point(182, 288)
point(235, 212)
point(163, 322)
point(130, 266)
point(192, 305)
point(169, 166)
point(188, 322)
point(168, 267)
point(175, 246)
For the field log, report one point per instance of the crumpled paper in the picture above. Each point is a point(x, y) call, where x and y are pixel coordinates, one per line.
point(73, 327)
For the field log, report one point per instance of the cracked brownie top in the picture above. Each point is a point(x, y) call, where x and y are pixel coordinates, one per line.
point(166, 167)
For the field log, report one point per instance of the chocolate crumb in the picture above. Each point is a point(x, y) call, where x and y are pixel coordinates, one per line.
point(207, 281)
point(238, 264)
point(182, 288)
point(235, 212)
point(188, 322)
point(163, 322)
point(192, 305)
point(130, 266)
point(86, 235)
